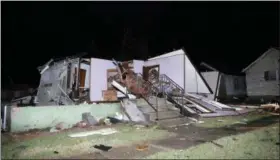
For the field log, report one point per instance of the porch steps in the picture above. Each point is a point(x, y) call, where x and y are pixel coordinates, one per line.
point(166, 110)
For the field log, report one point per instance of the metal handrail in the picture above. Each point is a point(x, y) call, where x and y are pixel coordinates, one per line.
point(174, 83)
point(157, 87)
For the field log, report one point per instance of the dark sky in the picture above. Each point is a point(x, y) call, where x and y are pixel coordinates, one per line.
point(228, 35)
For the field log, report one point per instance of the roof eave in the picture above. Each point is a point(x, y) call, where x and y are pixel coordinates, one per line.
point(258, 59)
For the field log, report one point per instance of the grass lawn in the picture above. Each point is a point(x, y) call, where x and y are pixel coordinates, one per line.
point(257, 144)
point(45, 146)
point(217, 122)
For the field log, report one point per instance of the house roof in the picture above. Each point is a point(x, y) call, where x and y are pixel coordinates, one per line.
point(260, 58)
point(51, 61)
point(174, 53)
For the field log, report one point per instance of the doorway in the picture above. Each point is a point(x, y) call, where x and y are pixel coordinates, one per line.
point(151, 73)
point(82, 78)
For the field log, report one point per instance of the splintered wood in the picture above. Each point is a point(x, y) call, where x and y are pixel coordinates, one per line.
point(271, 107)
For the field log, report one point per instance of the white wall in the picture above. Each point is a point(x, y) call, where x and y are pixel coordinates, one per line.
point(256, 84)
point(138, 66)
point(98, 77)
point(172, 66)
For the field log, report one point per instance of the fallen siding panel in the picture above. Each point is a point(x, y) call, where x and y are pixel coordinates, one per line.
point(133, 111)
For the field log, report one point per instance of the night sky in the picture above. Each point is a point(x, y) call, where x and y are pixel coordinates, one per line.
point(227, 35)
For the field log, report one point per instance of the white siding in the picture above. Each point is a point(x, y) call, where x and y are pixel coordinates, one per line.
point(98, 77)
point(256, 84)
point(172, 66)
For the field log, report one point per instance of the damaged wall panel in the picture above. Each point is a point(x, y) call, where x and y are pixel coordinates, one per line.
point(26, 118)
point(212, 79)
point(98, 77)
point(50, 79)
point(54, 88)
point(193, 80)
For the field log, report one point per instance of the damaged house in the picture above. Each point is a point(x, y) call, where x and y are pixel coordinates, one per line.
point(225, 87)
point(164, 87)
point(262, 76)
point(173, 76)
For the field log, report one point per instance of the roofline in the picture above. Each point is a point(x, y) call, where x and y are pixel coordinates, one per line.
point(205, 82)
point(56, 60)
point(166, 55)
point(259, 58)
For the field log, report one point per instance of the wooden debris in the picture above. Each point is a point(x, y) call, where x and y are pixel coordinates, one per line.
point(142, 147)
point(271, 107)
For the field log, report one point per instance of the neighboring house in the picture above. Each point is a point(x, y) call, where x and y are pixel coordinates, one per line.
point(58, 77)
point(262, 76)
point(224, 86)
point(16, 91)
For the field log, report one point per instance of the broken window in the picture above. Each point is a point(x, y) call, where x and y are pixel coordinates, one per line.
point(270, 75)
point(111, 75)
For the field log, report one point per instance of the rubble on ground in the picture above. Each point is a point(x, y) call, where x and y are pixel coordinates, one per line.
point(105, 131)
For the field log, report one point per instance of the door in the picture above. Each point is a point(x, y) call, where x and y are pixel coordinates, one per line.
point(151, 73)
point(82, 77)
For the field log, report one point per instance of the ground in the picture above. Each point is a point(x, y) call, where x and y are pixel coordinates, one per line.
point(255, 135)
